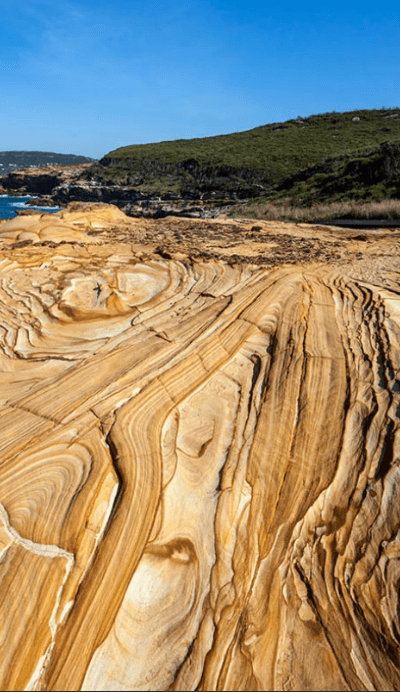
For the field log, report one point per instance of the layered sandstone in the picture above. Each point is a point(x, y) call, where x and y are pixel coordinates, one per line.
point(199, 455)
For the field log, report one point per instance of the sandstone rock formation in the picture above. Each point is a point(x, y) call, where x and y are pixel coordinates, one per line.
point(199, 455)
point(40, 180)
point(62, 185)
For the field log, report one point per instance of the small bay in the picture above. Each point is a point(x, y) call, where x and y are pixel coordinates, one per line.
point(9, 205)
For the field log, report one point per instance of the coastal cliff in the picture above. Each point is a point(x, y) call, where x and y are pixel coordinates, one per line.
point(200, 446)
point(61, 185)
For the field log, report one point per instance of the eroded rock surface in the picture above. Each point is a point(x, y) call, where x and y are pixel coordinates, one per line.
point(199, 456)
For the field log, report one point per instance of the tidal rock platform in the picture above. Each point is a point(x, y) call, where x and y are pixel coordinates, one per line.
point(200, 454)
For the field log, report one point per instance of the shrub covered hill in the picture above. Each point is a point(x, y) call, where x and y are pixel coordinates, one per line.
point(351, 155)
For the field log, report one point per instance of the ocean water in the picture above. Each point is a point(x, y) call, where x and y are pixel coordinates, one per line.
point(8, 205)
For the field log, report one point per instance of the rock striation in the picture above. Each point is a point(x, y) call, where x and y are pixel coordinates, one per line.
point(199, 455)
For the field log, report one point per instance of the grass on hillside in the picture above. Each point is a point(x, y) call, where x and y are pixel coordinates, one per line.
point(281, 148)
point(282, 210)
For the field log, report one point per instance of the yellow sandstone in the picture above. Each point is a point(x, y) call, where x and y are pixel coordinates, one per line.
point(200, 455)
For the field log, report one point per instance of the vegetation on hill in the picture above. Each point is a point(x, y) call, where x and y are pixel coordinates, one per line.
point(282, 148)
point(324, 157)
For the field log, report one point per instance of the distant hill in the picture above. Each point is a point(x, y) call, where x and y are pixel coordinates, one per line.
point(14, 160)
point(354, 153)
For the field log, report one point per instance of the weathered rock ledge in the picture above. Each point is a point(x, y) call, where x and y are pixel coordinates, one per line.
point(199, 455)
point(61, 185)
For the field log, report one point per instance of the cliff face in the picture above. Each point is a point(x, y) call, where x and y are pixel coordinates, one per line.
point(192, 176)
point(42, 184)
point(61, 185)
point(199, 455)
point(40, 180)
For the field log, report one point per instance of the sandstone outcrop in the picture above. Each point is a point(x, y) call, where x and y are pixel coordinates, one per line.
point(40, 180)
point(199, 455)
point(62, 185)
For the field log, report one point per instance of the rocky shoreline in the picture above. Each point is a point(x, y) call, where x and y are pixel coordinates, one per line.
point(60, 185)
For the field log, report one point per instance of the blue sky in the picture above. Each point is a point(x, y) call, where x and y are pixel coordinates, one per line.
point(85, 77)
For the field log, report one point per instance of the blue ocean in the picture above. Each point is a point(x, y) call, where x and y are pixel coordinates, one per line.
point(8, 205)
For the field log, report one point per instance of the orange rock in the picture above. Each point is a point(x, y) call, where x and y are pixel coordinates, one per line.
point(199, 460)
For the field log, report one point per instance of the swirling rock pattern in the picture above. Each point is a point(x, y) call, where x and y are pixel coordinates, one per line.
point(200, 470)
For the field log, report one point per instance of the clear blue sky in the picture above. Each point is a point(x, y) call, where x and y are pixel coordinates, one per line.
point(85, 77)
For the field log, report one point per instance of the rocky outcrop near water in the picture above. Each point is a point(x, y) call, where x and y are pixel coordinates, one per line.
point(199, 453)
point(40, 180)
point(61, 185)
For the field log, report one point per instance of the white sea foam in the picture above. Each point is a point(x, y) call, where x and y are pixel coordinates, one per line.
point(44, 208)
point(32, 206)
point(9, 205)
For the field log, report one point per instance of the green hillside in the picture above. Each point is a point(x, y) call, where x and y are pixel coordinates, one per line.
point(280, 147)
point(318, 157)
